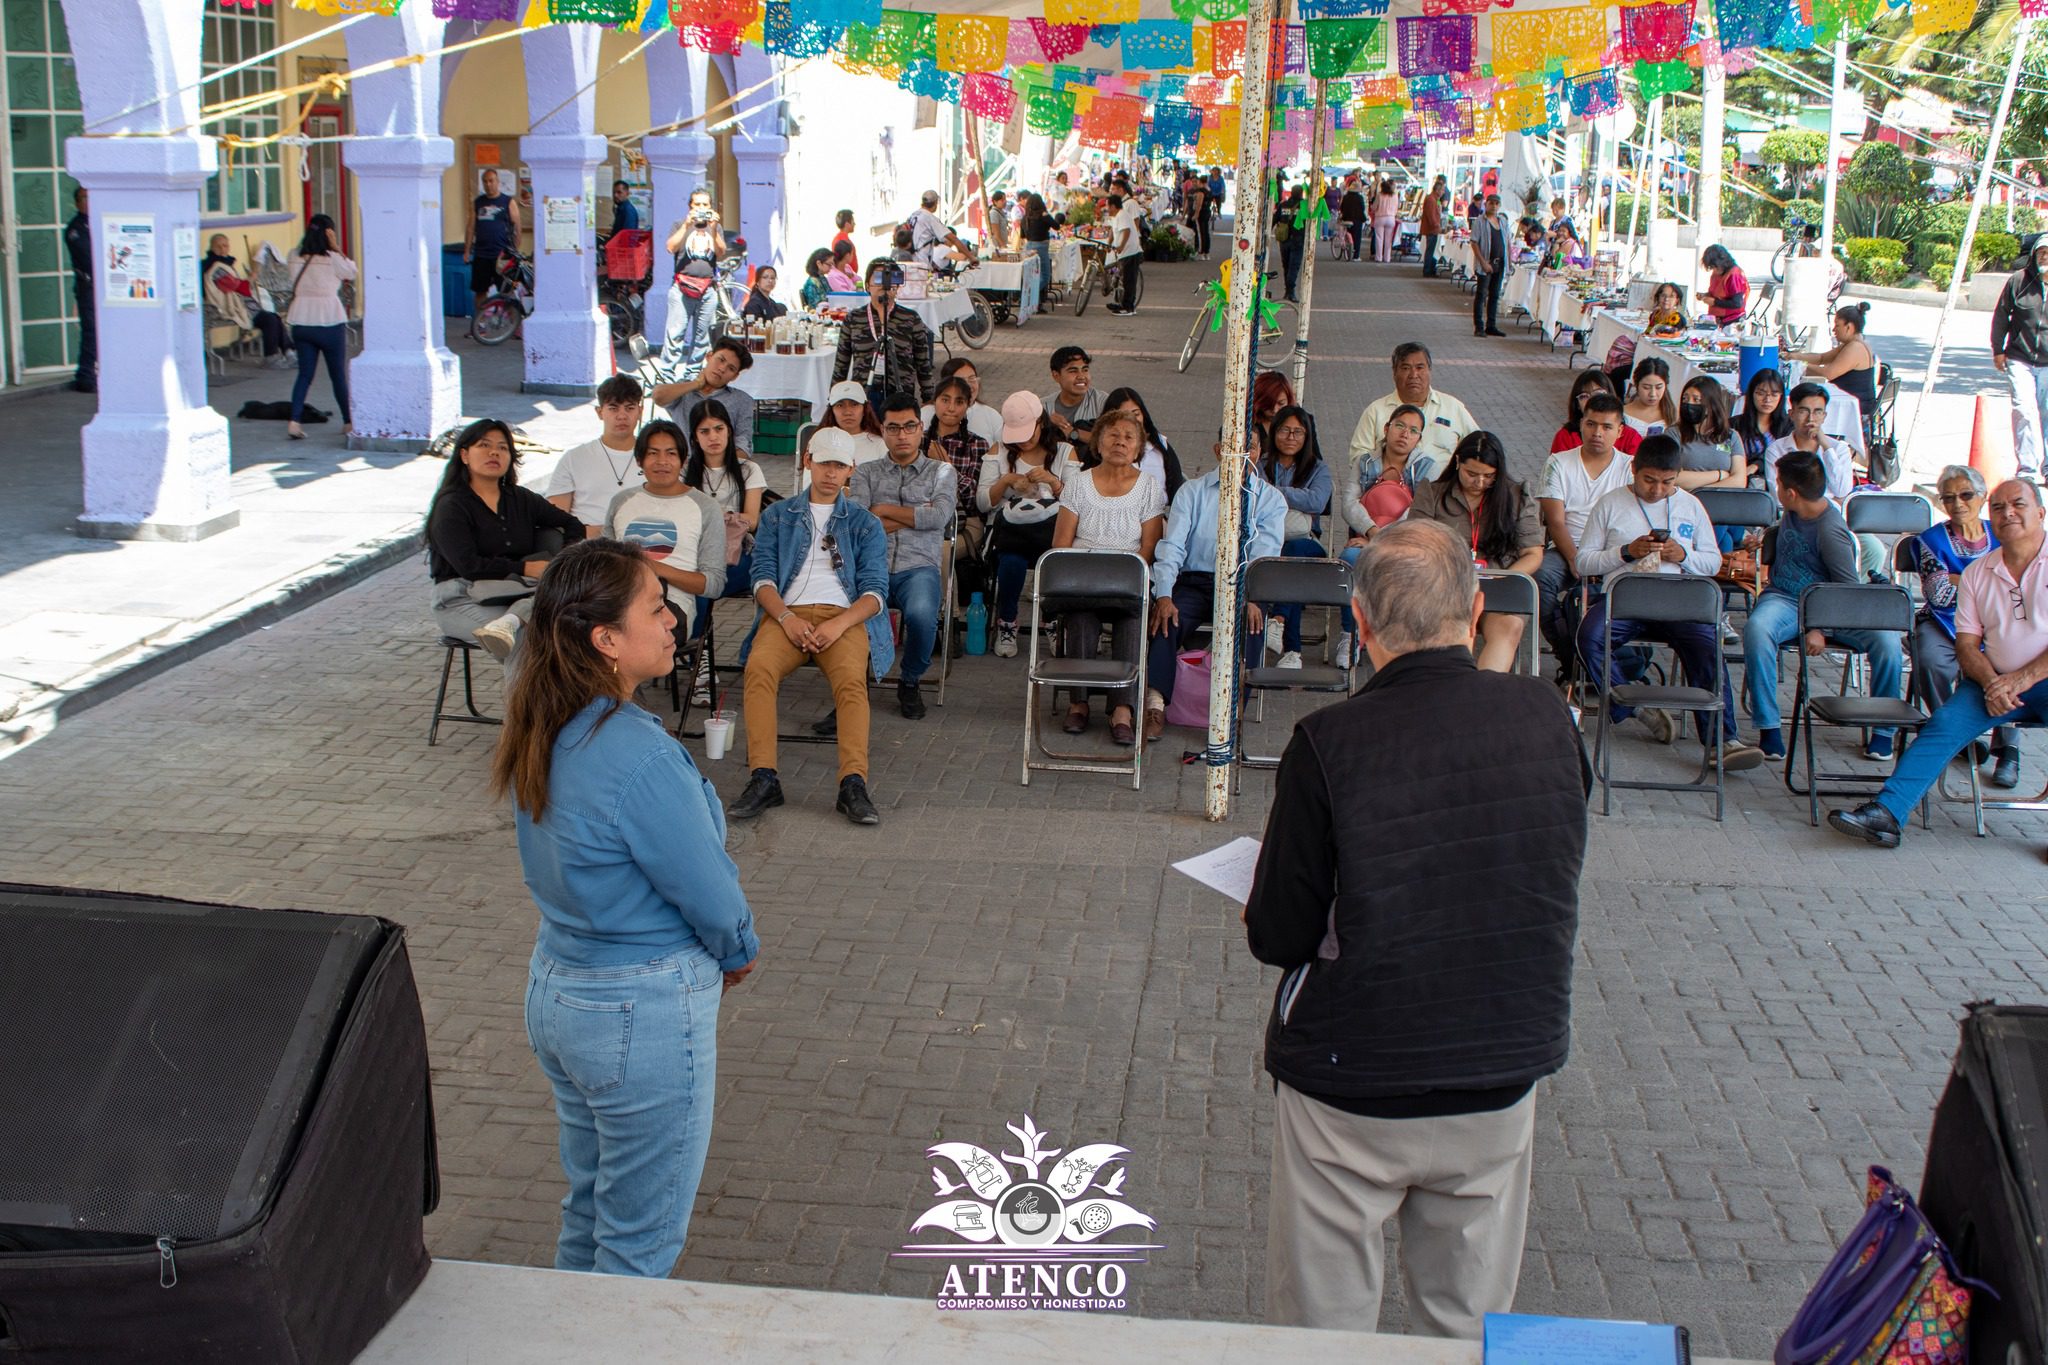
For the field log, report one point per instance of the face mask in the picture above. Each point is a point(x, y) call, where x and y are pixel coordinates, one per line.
point(1691, 413)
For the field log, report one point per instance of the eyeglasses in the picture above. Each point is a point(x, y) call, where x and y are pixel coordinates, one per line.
point(2019, 603)
point(900, 428)
point(1947, 498)
point(1404, 427)
point(831, 544)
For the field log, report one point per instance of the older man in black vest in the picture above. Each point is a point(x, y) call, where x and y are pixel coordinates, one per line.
point(1419, 888)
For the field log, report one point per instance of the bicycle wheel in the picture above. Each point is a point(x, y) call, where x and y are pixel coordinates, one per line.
point(496, 320)
point(977, 328)
point(1196, 334)
point(1275, 346)
point(1084, 289)
point(1784, 254)
point(621, 319)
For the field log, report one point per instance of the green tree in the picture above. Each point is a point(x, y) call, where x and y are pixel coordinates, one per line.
point(1798, 150)
point(1879, 183)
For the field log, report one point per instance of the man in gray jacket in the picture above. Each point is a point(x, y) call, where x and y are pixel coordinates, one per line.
point(1489, 268)
point(2019, 347)
point(914, 498)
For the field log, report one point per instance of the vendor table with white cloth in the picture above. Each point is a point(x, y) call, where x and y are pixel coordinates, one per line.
point(936, 311)
point(466, 1312)
point(1561, 308)
point(807, 376)
point(1066, 260)
point(1845, 414)
point(1009, 277)
point(1520, 290)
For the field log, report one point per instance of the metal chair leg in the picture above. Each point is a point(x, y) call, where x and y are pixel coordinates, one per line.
point(469, 686)
point(441, 696)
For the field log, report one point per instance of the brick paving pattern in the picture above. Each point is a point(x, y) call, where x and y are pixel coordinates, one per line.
point(1761, 1007)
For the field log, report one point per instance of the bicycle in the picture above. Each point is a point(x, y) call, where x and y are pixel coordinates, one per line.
point(1275, 343)
point(978, 328)
point(1798, 242)
point(510, 301)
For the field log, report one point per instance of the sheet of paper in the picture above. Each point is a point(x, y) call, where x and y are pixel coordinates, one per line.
point(1227, 869)
point(1527, 1339)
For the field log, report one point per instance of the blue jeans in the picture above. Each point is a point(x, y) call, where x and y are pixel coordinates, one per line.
point(1289, 614)
point(1961, 719)
point(1693, 643)
point(1773, 623)
point(2029, 413)
point(313, 343)
point(689, 332)
point(1010, 572)
point(914, 594)
point(631, 1052)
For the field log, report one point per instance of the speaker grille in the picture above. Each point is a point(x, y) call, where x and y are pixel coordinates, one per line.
point(157, 1059)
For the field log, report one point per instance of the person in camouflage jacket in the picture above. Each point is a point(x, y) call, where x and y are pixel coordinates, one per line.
point(904, 346)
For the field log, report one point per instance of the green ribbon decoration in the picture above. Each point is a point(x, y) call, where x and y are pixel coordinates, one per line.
point(1263, 312)
point(1219, 303)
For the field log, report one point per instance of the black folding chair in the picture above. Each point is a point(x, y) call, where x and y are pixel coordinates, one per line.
point(1671, 599)
point(1278, 580)
point(1108, 581)
point(1828, 608)
point(467, 649)
point(1871, 512)
point(1514, 594)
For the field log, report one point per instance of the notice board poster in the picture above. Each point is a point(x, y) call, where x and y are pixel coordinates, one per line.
point(128, 260)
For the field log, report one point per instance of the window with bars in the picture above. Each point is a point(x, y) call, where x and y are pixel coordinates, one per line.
point(42, 111)
point(252, 182)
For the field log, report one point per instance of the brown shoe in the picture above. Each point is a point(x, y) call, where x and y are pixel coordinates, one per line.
point(1155, 724)
point(1076, 721)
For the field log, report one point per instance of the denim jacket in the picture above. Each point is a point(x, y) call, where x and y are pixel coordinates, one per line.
point(783, 541)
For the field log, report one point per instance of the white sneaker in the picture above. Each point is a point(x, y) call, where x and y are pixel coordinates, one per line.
point(1275, 637)
point(1006, 642)
point(1345, 645)
point(1729, 634)
point(1291, 659)
point(1658, 723)
point(499, 636)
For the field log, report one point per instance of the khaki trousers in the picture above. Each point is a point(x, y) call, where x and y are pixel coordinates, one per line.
point(1459, 1185)
point(845, 666)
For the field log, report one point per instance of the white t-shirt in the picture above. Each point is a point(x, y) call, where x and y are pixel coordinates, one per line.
point(1621, 517)
point(1565, 479)
point(926, 232)
point(1835, 458)
point(1641, 427)
point(729, 489)
point(997, 465)
point(817, 584)
point(1105, 523)
point(682, 530)
point(1127, 219)
point(595, 473)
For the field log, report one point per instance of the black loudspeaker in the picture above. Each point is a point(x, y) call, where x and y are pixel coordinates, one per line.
point(216, 1131)
point(1986, 1161)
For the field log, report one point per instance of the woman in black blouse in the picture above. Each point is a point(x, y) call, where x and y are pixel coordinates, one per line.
point(488, 538)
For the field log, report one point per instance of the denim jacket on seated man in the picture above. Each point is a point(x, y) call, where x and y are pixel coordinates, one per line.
point(783, 541)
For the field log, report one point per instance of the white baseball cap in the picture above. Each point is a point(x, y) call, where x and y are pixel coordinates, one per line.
point(1021, 411)
point(830, 445)
point(846, 391)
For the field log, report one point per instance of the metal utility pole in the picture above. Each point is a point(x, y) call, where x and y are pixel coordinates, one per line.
point(1834, 166)
point(1240, 334)
point(2021, 37)
point(1713, 131)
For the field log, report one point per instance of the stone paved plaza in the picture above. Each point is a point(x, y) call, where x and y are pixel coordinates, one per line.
point(1762, 1008)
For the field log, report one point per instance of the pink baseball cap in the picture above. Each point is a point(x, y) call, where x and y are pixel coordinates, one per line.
point(1021, 411)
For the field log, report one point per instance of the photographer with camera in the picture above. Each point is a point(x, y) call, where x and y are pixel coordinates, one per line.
point(697, 243)
point(885, 346)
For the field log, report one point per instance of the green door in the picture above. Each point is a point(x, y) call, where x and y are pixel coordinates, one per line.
point(41, 98)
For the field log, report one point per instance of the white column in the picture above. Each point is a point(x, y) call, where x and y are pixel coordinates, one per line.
point(568, 341)
point(759, 148)
point(677, 162)
point(1713, 132)
point(406, 386)
point(155, 455)
point(1835, 150)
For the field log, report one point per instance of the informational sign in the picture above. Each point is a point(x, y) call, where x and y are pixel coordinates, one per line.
point(128, 264)
point(562, 224)
point(185, 248)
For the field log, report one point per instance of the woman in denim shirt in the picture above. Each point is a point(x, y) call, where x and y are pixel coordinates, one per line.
point(643, 923)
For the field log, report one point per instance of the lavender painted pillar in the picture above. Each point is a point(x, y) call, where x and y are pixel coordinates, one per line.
point(568, 341)
point(678, 162)
point(758, 147)
point(407, 384)
point(155, 455)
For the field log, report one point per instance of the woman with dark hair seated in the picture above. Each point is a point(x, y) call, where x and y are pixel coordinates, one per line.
point(643, 925)
point(1494, 515)
point(1292, 461)
point(1159, 459)
point(488, 538)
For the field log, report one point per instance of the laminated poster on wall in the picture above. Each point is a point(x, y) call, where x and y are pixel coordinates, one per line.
point(185, 250)
point(128, 268)
point(562, 217)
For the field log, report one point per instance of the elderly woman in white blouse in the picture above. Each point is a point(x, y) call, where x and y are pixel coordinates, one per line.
point(318, 318)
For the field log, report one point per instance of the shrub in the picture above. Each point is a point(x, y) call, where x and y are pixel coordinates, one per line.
point(1882, 270)
point(1993, 249)
point(1808, 210)
point(1870, 257)
point(1166, 244)
point(1937, 264)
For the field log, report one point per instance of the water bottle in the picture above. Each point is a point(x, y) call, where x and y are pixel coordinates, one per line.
point(977, 626)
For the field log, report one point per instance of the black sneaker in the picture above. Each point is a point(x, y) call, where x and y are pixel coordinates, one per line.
point(1868, 821)
point(853, 802)
point(2006, 775)
point(911, 703)
point(763, 790)
point(827, 728)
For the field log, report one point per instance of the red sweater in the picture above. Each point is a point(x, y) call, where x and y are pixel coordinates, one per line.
point(1568, 439)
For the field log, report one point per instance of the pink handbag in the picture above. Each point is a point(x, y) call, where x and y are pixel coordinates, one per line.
point(1190, 704)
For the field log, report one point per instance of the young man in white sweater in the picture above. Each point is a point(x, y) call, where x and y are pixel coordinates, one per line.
point(1654, 526)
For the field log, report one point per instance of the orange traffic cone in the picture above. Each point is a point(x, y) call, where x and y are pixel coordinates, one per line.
point(1991, 452)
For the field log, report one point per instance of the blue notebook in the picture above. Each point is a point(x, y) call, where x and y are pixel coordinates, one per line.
point(1526, 1339)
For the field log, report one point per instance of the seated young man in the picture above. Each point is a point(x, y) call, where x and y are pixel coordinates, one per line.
point(1808, 405)
point(821, 575)
point(1654, 526)
point(728, 359)
point(1184, 579)
point(1813, 546)
point(1073, 405)
point(913, 497)
point(589, 476)
point(1573, 481)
